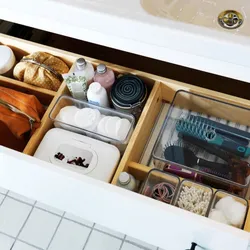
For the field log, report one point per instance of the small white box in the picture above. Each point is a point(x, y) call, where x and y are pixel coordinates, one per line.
point(100, 158)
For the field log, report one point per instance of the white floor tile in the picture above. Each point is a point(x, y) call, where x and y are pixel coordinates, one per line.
point(49, 208)
point(128, 246)
point(1, 198)
point(109, 231)
point(70, 235)
point(39, 228)
point(5, 242)
point(140, 243)
point(79, 219)
point(3, 190)
point(21, 198)
point(22, 246)
point(12, 216)
point(101, 241)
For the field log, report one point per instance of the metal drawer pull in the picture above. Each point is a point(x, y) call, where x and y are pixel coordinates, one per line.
point(194, 245)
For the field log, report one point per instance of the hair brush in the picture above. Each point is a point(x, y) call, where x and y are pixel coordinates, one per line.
point(185, 156)
point(240, 169)
point(200, 129)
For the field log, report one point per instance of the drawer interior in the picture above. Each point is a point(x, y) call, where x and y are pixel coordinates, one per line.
point(161, 91)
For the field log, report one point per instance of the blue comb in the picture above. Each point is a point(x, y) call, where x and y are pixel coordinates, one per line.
point(198, 128)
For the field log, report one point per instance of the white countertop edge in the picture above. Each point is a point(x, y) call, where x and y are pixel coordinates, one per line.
point(221, 56)
point(113, 207)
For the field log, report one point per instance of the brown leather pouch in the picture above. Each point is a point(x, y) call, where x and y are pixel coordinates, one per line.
point(8, 140)
point(20, 115)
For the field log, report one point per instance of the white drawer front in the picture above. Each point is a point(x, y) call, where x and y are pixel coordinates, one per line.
point(135, 215)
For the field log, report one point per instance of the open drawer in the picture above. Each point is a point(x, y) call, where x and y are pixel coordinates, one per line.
point(125, 211)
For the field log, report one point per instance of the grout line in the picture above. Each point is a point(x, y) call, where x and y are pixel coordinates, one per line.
point(26, 220)
point(3, 199)
point(109, 234)
point(28, 244)
point(45, 210)
point(137, 245)
point(123, 240)
point(10, 236)
point(24, 224)
point(53, 236)
point(14, 238)
point(88, 236)
point(12, 245)
point(4, 193)
point(77, 222)
point(26, 203)
point(34, 204)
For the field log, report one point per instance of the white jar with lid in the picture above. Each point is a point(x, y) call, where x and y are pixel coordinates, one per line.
point(86, 68)
point(97, 95)
point(127, 181)
point(7, 61)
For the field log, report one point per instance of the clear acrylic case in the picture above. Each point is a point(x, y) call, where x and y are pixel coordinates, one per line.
point(185, 202)
point(219, 194)
point(160, 186)
point(64, 101)
point(209, 137)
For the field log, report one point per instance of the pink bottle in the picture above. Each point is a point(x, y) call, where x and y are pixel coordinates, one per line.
point(104, 76)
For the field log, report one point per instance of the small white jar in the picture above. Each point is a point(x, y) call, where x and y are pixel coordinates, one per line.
point(97, 95)
point(7, 61)
point(127, 181)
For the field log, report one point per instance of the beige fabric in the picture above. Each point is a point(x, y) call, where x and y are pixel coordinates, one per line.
point(39, 76)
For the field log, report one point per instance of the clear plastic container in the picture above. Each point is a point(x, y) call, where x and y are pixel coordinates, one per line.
point(193, 197)
point(209, 137)
point(160, 186)
point(65, 101)
point(217, 211)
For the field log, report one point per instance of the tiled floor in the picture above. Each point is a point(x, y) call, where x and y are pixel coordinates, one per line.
point(26, 224)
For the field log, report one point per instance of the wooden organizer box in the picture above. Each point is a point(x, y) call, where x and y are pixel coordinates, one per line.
point(162, 90)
